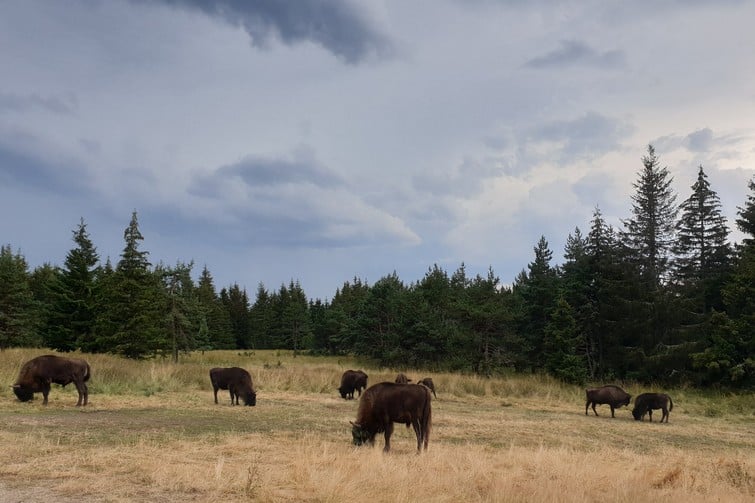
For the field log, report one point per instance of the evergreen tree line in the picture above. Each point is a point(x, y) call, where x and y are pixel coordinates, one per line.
point(664, 298)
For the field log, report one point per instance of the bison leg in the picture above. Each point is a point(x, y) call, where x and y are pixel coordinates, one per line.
point(45, 392)
point(215, 392)
point(612, 409)
point(81, 387)
point(418, 432)
point(388, 433)
point(593, 409)
point(665, 414)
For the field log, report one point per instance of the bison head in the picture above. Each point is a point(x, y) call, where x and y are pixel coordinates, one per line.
point(342, 391)
point(23, 393)
point(638, 413)
point(250, 398)
point(360, 435)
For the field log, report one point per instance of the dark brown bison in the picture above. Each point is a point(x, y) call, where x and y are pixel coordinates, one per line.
point(427, 381)
point(37, 374)
point(646, 402)
point(402, 379)
point(386, 403)
point(352, 380)
point(237, 381)
point(609, 394)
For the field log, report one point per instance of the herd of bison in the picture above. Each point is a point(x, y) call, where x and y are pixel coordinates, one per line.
point(380, 406)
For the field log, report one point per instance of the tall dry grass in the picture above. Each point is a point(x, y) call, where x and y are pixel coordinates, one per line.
point(153, 433)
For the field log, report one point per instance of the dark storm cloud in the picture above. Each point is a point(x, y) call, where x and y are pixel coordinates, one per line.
point(575, 52)
point(336, 25)
point(24, 103)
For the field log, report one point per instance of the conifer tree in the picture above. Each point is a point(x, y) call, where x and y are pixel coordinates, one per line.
point(74, 308)
point(134, 312)
point(217, 316)
point(702, 248)
point(16, 301)
point(650, 232)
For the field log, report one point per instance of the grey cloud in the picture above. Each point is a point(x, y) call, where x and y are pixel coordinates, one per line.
point(20, 168)
point(337, 25)
point(700, 141)
point(575, 52)
point(297, 202)
point(23, 103)
point(590, 135)
point(259, 172)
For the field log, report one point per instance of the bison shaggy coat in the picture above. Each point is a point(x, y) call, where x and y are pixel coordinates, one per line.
point(237, 381)
point(386, 403)
point(37, 374)
point(609, 394)
point(646, 402)
point(352, 380)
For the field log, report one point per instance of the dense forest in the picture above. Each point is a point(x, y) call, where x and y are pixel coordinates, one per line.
point(665, 298)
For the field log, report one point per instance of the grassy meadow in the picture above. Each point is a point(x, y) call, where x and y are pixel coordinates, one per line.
point(152, 432)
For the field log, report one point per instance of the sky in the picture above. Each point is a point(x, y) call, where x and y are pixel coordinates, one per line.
point(320, 141)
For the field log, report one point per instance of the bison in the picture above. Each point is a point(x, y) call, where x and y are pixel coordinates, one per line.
point(427, 381)
point(610, 394)
point(37, 374)
point(237, 381)
point(402, 379)
point(646, 402)
point(352, 380)
point(386, 403)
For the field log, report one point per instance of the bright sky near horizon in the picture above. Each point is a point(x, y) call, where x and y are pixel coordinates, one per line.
point(322, 140)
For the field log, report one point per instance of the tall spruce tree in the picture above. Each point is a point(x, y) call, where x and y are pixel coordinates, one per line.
point(727, 358)
point(134, 312)
point(217, 316)
point(650, 232)
point(538, 290)
point(17, 308)
point(702, 247)
point(74, 309)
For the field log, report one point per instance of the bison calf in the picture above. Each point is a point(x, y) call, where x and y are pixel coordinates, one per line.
point(402, 379)
point(428, 381)
point(646, 402)
point(37, 374)
point(237, 381)
point(609, 394)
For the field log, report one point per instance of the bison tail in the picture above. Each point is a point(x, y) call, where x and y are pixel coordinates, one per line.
point(87, 372)
point(427, 419)
point(671, 404)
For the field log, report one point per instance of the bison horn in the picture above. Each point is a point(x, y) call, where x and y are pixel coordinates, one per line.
point(355, 424)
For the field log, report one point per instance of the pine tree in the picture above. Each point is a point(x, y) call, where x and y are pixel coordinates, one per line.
point(74, 308)
point(650, 233)
point(562, 358)
point(702, 248)
point(135, 308)
point(217, 316)
point(236, 302)
point(181, 307)
point(17, 309)
point(538, 290)
point(261, 317)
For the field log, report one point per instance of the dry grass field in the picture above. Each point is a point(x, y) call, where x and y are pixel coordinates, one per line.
point(152, 433)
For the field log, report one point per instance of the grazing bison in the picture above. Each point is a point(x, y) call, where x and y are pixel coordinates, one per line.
point(612, 395)
point(237, 381)
point(386, 403)
point(37, 374)
point(352, 380)
point(646, 402)
point(402, 379)
point(427, 381)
